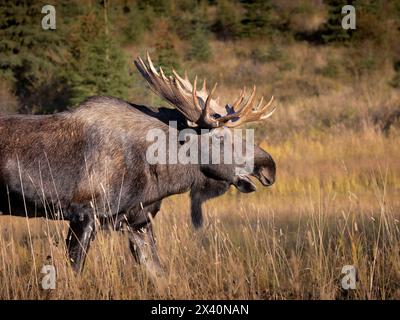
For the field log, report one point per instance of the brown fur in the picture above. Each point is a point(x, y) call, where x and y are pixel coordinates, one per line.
point(91, 163)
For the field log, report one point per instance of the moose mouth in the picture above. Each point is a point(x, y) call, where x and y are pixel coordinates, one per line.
point(265, 180)
point(244, 184)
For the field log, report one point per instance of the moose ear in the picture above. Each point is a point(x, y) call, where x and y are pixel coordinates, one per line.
point(244, 184)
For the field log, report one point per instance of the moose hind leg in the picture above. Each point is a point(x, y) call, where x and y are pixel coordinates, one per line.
point(143, 247)
point(80, 234)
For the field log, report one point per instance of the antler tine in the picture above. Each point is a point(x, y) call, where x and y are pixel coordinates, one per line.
point(264, 108)
point(208, 101)
point(244, 110)
point(265, 116)
point(174, 89)
point(163, 75)
point(184, 82)
point(148, 74)
point(177, 76)
point(204, 88)
point(239, 100)
point(144, 66)
point(244, 95)
point(194, 92)
point(248, 105)
point(185, 97)
point(248, 113)
point(151, 66)
point(141, 62)
point(178, 86)
point(259, 104)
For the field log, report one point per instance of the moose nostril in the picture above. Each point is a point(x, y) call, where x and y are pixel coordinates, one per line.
point(267, 177)
point(269, 181)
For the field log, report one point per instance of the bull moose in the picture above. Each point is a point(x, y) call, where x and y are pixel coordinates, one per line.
point(88, 166)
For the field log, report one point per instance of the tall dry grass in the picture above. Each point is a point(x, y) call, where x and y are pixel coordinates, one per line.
point(336, 202)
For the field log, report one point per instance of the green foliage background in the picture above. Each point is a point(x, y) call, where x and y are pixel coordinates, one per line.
point(50, 70)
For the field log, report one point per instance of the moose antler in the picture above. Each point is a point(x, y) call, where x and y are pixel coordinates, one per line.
point(198, 106)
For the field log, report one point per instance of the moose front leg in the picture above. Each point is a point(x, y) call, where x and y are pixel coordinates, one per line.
point(143, 248)
point(199, 194)
point(80, 234)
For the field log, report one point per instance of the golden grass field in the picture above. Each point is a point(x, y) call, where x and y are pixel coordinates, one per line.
point(336, 202)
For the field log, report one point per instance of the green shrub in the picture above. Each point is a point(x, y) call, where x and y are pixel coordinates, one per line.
point(331, 69)
point(395, 82)
point(200, 49)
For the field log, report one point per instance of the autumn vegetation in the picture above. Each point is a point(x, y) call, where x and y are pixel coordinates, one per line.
point(335, 138)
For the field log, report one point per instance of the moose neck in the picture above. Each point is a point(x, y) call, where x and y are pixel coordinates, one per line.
point(179, 159)
point(176, 178)
point(170, 173)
